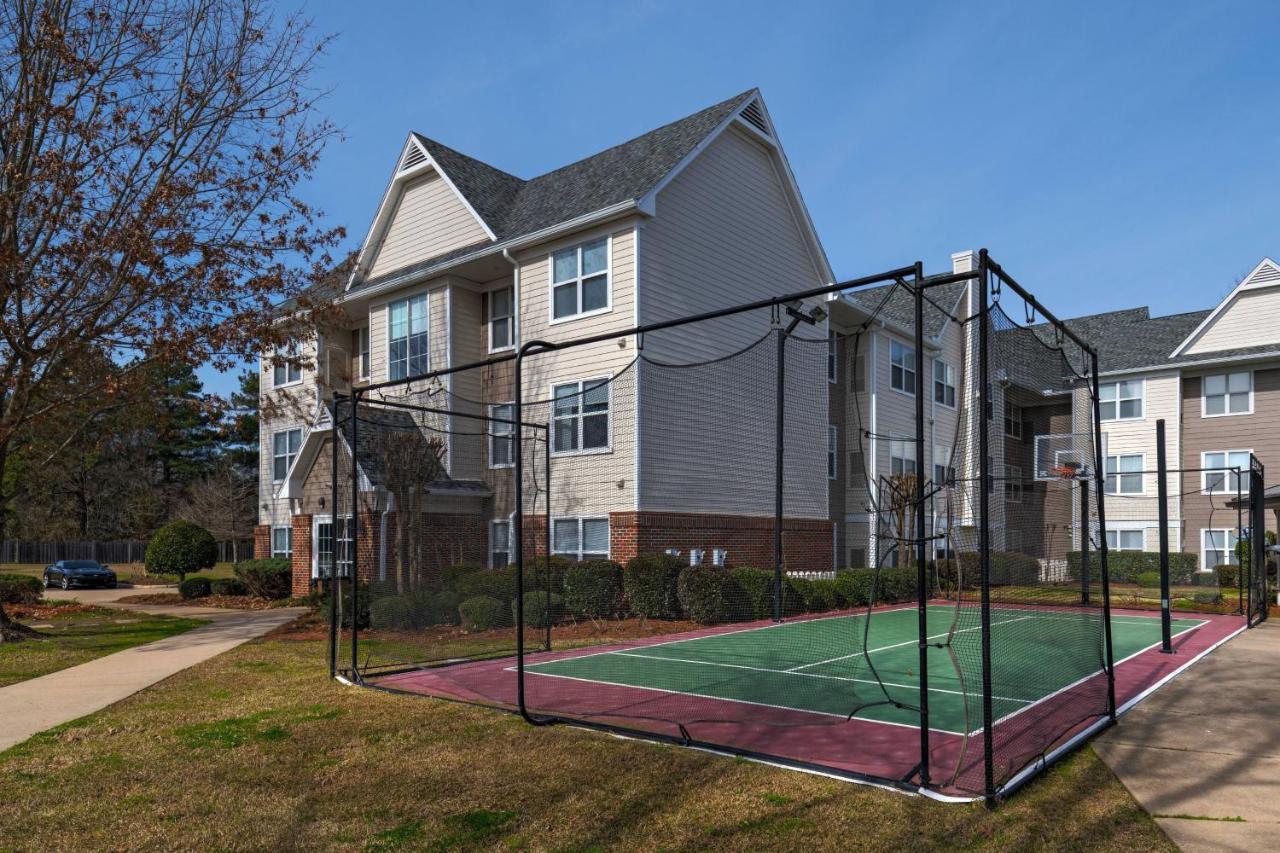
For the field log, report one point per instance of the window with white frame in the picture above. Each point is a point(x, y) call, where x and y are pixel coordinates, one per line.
point(944, 384)
point(501, 308)
point(284, 449)
point(501, 450)
point(581, 538)
point(361, 345)
point(1121, 401)
point(832, 352)
point(944, 472)
point(1013, 484)
point(1218, 548)
point(580, 415)
point(407, 337)
point(1012, 420)
point(580, 280)
point(1124, 474)
point(1227, 394)
point(942, 549)
point(1126, 540)
point(285, 370)
point(902, 458)
point(282, 541)
point(902, 367)
point(832, 452)
point(499, 543)
point(1217, 478)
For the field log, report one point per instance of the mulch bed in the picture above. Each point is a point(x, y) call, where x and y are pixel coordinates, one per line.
point(228, 602)
point(46, 610)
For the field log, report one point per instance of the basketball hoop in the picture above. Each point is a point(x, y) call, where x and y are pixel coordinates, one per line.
point(1067, 470)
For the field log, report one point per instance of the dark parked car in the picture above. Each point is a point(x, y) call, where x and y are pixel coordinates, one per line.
point(69, 573)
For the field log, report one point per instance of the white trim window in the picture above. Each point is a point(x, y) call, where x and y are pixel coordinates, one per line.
point(902, 458)
point(501, 444)
point(1218, 548)
point(1124, 474)
point(1121, 401)
point(580, 416)
point(1224, 394)
point(833, 348)
point(1012, 420)
point(362, 351)
point(285, 371)
point(1126, 540)
point(282, 541)
point(1220, 481)
point(580, 538)
point(284, 449)
point(499, 543)
point(407, 352)
point(944, 384)
point(833, 443)
point(944, 470)
point(580, 280)
point(902, 367)
point(1013, 484)
point(500, 316)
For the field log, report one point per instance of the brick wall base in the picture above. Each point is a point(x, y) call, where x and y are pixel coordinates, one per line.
point(262, 541)
point(806, 542)
point(301, 555)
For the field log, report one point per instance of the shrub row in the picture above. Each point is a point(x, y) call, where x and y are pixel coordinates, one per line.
point(1126, 566)
point(267, 578)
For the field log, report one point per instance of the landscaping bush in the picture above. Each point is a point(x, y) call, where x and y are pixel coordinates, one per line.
point(1228, 576)
point(270, 578)
point(392, 612)
point(704, 594)
point(195, 588)
point(20, 589)
point(857, 586)
point(1125, 566)
point(498, 584)
point(816, 595)
point(179, 548)
point(227, 586)
point(398, 612)
point(1207, 598)
point(452, 575)
point(1149, 580)
point(439, 608)
point(593, 589)
point(482, 613)
point(649, 582)
point(540, 608)
point(536, 575)
point(756, 589)
point(323, 605)
point(898, 585)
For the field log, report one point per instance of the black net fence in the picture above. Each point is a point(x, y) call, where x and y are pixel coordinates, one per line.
point(862, 532)
point(1256, 554)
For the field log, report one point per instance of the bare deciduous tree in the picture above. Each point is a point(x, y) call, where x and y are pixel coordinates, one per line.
point(150, 152)
point(224, 502)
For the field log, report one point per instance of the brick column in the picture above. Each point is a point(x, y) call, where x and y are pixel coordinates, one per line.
point(301, 555)
point(262, 541)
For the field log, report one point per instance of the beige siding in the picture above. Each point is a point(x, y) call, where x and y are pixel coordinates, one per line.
point(1138, 436)
point(725, 234)
point(1249, 320)
point(285, 408)
point(428, 220)
point(467, 434)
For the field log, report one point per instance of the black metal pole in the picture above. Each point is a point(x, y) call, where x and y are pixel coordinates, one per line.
point(547, 509)
point(517, 528)
point(984, 534)
point(354, 533)
point(1099, 479)
point(1240, 535)
point(922, 594)
point(1162, 496)
point(1084, 543)
point(778, 469)
point(333, 500)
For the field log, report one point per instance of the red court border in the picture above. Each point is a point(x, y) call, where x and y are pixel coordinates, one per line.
point(883, 751)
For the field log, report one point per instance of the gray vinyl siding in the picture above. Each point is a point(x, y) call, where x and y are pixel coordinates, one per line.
point(429, 219)
point(725, 233)
point(466, 387)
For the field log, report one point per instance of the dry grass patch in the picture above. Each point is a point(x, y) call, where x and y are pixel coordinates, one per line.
point(258, 749)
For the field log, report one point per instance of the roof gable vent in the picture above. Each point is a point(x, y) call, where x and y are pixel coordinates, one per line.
point(1268, 273)
point(753, 115)
point(413, 156)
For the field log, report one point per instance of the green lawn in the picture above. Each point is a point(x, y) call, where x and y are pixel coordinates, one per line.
point(73, 638)
point(258, 749)
point(128, 572)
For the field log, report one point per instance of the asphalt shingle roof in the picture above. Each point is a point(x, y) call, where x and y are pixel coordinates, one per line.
point(899, 307)
point(513, 207)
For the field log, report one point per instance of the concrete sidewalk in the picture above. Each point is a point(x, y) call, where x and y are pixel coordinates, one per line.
point(1202, 754)
point(40, 703)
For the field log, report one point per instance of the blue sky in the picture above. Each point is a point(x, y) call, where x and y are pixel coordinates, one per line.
point(1109, 155)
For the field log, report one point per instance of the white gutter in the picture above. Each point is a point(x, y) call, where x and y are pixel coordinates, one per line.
point(1207, 362)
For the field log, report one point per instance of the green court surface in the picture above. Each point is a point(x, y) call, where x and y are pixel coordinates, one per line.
point(824, 666)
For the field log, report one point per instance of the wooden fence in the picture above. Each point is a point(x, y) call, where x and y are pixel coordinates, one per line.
point(127, 551)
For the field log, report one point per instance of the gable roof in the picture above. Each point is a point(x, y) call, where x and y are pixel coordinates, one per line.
point(896, 305)
point(1265, 274)
point(512, 208)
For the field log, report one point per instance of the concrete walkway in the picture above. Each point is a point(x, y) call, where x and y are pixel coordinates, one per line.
point(40, 703)
point(1202, 754)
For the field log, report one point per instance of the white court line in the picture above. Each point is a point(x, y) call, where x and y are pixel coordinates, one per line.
point(905, 643)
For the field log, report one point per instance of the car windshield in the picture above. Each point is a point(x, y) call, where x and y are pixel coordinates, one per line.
point(81, 564)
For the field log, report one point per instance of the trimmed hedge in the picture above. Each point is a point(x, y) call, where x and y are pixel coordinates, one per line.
point(179, 548)
point(416, 610)
point(593, 589)
point(1125, 566)
point(499, 584)
point(1228, 576)
point(227, 586)
point(858, 587)
point(650, 583)
point(540, 608)
point(757, 588)
point(483, 613)
point(271, 577)
point(20, 589)
point(704, 593)
point(1149, 580)
point(195, 588)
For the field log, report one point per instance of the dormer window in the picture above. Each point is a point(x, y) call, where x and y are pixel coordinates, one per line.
point(580, 280)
